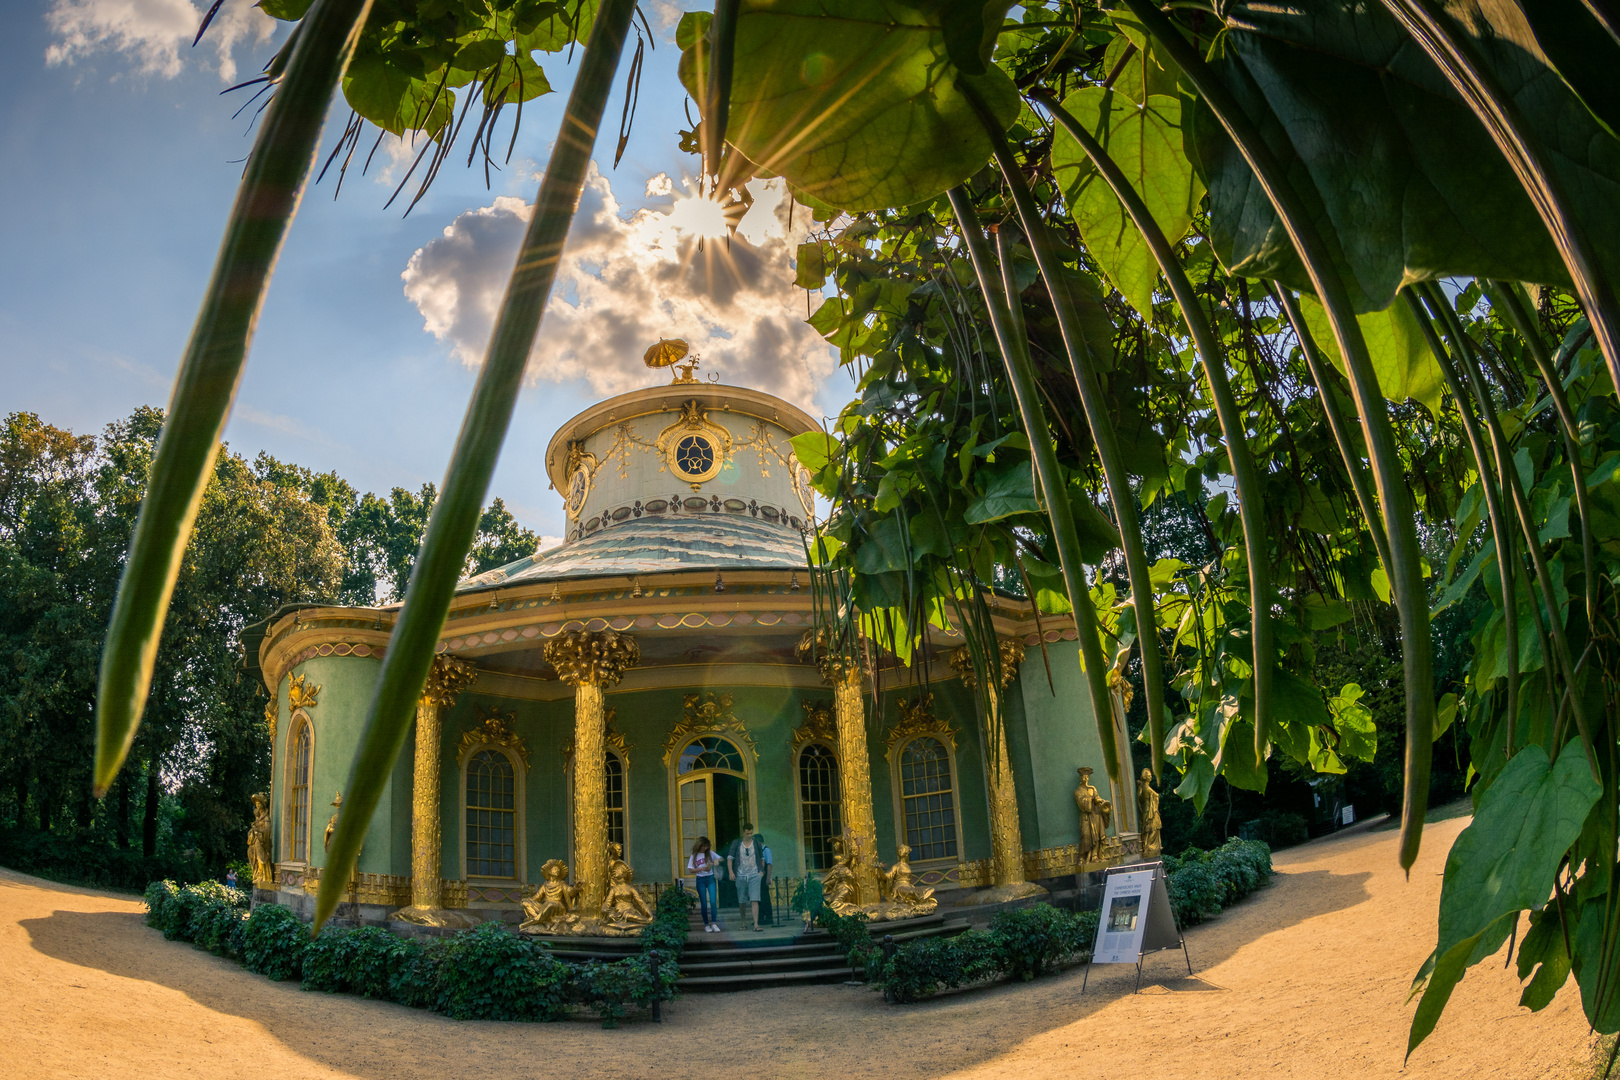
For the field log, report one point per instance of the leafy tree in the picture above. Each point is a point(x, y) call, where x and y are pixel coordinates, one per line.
point(267, 534)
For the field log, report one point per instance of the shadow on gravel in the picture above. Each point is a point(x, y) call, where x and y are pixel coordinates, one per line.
point(811, 1031)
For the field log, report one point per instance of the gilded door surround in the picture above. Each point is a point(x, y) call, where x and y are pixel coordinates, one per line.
point(701, 715)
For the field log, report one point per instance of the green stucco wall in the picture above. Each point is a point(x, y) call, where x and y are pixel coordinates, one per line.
point(338, 718)
point(1051, 724)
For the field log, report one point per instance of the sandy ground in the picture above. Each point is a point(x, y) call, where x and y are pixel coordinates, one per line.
point(1307, 978)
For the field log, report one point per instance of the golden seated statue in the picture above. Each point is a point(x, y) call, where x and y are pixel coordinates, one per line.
point(900, 890)
point(551, 909)
point(624, 908)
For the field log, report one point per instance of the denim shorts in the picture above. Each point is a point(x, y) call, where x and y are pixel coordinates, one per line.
point(747, 887)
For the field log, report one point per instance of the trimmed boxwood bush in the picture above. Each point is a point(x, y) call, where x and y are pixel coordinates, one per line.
point(1021, 943)
point(490, 973)
point(1201, 883)
point(274, 941)
point(209, 914)
point(365, 962)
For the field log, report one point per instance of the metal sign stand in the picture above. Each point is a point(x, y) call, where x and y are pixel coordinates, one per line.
point(1161, 929)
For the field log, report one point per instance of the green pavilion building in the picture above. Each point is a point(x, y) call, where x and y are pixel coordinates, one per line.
point(643, 684)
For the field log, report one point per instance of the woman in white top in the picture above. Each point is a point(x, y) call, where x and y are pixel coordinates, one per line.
point(702, 864)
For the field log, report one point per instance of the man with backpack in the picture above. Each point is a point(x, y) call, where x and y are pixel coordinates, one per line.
point(746, 865)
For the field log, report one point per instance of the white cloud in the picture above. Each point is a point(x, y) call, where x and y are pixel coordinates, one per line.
point(152, 33)
point(660, 185)
point(624, 282)
point(667, 15)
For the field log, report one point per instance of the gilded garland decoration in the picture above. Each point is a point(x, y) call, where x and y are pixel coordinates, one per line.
point(917, 718)
point(818, 726)
point(704, 714)
point(493, 728)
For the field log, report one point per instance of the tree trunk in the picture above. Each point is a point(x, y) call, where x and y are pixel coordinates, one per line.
point(22, 794)
point(123, 810)
point(87, 811)
point(46, 799)
point(149, 825)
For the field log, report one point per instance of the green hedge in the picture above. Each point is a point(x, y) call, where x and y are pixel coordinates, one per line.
point(1028, 942)
point(488, 973)
point(1021, 943)
point(1201, 883)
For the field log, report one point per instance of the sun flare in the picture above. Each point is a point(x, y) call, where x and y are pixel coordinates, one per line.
point(698, 216)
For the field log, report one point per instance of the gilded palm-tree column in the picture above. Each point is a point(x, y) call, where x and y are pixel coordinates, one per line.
point(1006, 838)
point(1120, 693)
point(591, 663)
point(447, 678)
point(843, 674)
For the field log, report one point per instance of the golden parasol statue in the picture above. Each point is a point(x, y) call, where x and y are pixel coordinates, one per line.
point(668, 352)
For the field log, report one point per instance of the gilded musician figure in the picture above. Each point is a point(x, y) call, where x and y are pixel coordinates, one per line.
point(1095, 814)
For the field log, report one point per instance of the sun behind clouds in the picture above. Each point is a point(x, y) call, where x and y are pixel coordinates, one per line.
point(629, 279)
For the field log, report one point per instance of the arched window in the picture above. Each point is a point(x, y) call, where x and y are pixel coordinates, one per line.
point(818, 804)
point(615, 801)
point(491, 815)
point(298, 796)
point(927, 798)
point(710, 752)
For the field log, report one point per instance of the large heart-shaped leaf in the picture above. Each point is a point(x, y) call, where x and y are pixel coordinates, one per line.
point(855, 102)
point(1400, 356)
point(1402, 179)
point(1505, 862)
point(1145, 142)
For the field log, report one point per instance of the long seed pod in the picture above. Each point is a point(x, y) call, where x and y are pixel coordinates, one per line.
point(1477, 85)
point(1400, 522)
point(717, 110)
point(1006, 321)
point(1501, 531)
point(1251, 502)
point(211, 371)
point(1560, 651)
point(1360, 483)
point(455, 516)
point(1505, 298)
point(1096, 410)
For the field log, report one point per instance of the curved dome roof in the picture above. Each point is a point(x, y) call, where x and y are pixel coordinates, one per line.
point(657, 545)
point(634, 515)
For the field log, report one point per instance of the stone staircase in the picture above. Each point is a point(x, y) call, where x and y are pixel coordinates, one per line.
point(782, 956)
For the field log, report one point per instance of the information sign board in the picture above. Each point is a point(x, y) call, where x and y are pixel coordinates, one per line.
point(1135, 918)
point(1123, 918)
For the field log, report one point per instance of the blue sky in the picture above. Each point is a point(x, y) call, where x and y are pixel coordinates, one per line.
point(121, 160)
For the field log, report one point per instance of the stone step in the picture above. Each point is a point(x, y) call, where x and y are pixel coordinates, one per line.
point(759, 952)
point(746, 966)
point(721, 984)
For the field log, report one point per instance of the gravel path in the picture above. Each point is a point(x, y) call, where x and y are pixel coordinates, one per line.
point(1305, 979)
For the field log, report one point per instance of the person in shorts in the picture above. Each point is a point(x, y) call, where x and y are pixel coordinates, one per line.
point(745, 864)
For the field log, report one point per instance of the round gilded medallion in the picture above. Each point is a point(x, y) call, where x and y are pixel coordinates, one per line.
point(695, 458)
point(579, 486)
point(801, 486)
